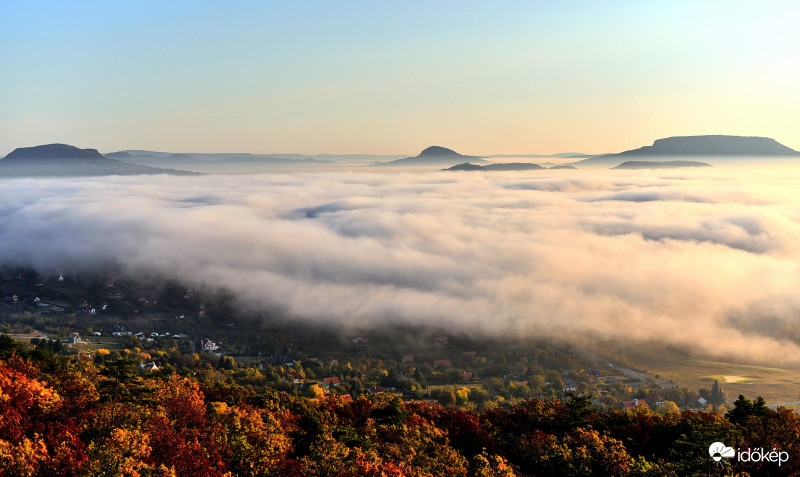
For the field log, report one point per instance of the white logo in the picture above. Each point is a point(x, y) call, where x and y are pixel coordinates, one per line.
point(718, 450)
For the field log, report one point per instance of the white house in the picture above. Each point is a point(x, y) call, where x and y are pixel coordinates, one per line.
point(208, 345)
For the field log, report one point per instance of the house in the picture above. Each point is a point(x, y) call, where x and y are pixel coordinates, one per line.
point(468, 374)
point(627, 405)
point(441, 340)
point(442, 364)
point(333, 381)
point(469, 354)
point(656, 399)
point(695, 400)
point(208, 345)
point(345, 397)
point(292, 376)
point(376, 390)
point(408, 358)
point(570, 385)
point(148, 367)
point(360, 341)
point(74, 338)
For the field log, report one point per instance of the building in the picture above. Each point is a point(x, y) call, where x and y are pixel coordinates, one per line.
point(628, 405)
point(148, 367)
point(442, 364)
point(208, 345)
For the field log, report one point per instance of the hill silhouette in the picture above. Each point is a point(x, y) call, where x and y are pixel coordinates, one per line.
point(433, 156)
point(659, 164)
point(508, 166)
point(711, 145)
point(216, 162)
point(57, 160)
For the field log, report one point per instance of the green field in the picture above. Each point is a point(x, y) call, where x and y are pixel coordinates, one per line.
point(773, 383)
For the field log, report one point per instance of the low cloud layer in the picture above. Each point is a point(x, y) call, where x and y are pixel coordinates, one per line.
point(706, 259)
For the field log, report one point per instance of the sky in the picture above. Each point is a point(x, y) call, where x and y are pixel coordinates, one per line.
point(395, 77)
point(707, 260)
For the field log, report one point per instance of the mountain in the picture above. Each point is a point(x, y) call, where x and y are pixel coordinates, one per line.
point(65, 160)
point(508, 166)
point(714, 145)
point(562, 166)
point(433, 156)
point(659, 164)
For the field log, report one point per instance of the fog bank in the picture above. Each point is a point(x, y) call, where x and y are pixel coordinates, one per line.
point(706, 259)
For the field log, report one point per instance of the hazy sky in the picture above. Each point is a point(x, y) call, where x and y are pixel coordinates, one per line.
point(395, 77)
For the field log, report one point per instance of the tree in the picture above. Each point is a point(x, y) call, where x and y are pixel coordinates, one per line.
point(478, 395)
point(743, 409)
point(447, 398)
point(668, 406)
point(491, 466)
point(716, 396)
point(315, 391)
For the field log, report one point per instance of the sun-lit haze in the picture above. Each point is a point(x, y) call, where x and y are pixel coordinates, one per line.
point(707, 260)
point(395, 77)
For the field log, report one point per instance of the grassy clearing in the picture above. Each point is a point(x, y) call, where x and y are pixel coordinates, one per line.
point(722, 378)
point(774, 384)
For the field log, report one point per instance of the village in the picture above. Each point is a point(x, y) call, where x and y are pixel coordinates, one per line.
point(168, 328)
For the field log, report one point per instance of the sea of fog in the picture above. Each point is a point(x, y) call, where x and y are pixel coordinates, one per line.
point(706, 259)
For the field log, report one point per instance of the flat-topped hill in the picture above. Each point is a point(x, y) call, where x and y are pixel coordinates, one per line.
point(713, 145)
point(55, 160)
point(719, 147)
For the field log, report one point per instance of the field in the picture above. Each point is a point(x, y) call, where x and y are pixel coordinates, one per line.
point(775, 384)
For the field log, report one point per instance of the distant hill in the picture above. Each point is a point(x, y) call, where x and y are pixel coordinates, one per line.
point(560, 155)
point(660, 164)
point(64, 160)
point(508, 166)
point(563, 166)
point(433, 156)
point(715, 145)
point(217, 162)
